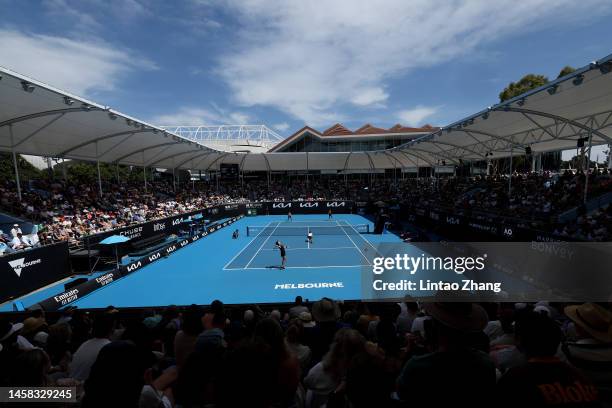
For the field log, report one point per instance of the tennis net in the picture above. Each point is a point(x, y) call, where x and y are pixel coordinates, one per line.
point(282, 230)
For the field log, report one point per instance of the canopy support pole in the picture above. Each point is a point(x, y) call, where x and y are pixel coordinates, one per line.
point(15, 163)
point(174, 179)
point(144, 172)
point(510, 173)
point(610, 156)
point(98, 168)
point(586, 171)
point(307, 169)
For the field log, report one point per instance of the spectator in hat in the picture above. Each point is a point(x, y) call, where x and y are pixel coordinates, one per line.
point(32, 326)
point(326, 314)
point(15, 230)
point(306, 319)
point(11, 338)
point(466, 376)
point(591, 352)
point(543, 380)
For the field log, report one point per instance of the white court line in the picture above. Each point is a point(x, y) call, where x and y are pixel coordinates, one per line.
point(368, 242)
point(362, 254)
point(299, 267)
point(247, 245)
point(294, 249)
point(264, 243)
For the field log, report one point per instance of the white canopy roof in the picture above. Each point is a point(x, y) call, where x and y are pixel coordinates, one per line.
point(38, 119)
point(549, 118)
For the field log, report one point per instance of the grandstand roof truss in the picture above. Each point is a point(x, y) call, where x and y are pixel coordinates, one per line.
point(40, 120)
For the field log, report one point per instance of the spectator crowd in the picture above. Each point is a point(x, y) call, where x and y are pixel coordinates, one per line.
point(324, 354)
point(66, 212)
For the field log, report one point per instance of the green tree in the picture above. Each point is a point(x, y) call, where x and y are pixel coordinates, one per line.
point(526, 83)
point(566, 70)
point(26, 170)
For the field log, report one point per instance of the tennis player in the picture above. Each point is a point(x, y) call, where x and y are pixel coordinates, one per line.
point(309, 237)
point(283, 253)
point(289, 216)
point(329, 214)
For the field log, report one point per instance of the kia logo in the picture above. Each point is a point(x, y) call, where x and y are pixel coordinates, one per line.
point(281, 205)
point(154, 257)
point(336, 204)
point(309, 205)
point(134, 266)
point(452, 220)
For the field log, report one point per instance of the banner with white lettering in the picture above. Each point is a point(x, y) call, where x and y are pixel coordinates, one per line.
point(73, 294)
point(25, 271)
point(302, 207)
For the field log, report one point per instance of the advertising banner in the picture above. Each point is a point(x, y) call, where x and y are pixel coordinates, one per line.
point(25, 271)
point(73, 294)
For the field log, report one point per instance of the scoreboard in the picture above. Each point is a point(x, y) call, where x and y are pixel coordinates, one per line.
point(229, 171)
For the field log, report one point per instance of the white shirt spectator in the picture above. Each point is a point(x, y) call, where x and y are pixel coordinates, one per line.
point(15, 230)
point(84, 358)
point(19, 243)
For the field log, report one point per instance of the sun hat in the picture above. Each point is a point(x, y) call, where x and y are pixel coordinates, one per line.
point(325, 310)
point(463, 316)
point(593, 318)
point(33, 325)
point(8, 329)
point(306, 319)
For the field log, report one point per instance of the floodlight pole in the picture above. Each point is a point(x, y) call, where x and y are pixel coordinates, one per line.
point(586, 173)
point(15, 163)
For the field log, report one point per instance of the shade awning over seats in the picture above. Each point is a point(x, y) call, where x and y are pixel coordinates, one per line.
point(40, 120)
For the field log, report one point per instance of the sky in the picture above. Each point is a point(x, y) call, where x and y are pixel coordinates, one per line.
point(287, 64)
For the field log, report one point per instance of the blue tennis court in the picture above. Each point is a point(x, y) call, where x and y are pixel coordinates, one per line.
point(246, 270)
point(335, 244)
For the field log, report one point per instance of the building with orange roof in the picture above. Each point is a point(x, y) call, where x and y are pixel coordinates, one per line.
point(339, 138)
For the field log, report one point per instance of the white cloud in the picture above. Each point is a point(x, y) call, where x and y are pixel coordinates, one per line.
point(370, 96)
point(79, 66)
point(416, 116)
point(314, 59)
point(281, 127)
point(195, 116)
